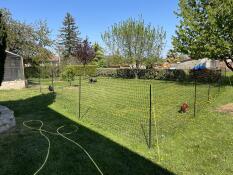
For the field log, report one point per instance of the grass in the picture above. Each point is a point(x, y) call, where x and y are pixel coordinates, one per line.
point(114, 128)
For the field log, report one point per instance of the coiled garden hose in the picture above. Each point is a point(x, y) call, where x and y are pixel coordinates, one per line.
point(58, 133)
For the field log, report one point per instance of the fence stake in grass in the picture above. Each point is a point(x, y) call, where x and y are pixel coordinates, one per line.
point(52, 78)
point(150, 120)
point(209, 92)
point(40, 78)
point(195, 96)
point(79, 98)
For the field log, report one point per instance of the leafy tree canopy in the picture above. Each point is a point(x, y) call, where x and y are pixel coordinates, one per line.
point(32, 42)
point(205, 29)
point(135, 40)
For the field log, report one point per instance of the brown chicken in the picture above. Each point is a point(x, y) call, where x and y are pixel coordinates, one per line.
point(184, 108)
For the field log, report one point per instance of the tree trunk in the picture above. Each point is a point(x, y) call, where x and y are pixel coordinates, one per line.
point(229, 65)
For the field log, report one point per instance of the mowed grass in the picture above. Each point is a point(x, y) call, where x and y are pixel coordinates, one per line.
point(119, 110)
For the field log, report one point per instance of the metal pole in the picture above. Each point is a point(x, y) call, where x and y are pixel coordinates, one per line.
point(150, 120)
point(40, 78)
point(79, 99)
point(195, 96)
point(219, 82)
point(209, 92)
point(52, 79)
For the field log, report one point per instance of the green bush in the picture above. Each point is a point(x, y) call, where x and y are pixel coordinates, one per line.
point(68, 74)
point(106, 72)
point(41, 71)
point(161, 74)
point(89, 70)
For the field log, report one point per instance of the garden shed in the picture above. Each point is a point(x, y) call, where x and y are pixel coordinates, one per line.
point(13, 72)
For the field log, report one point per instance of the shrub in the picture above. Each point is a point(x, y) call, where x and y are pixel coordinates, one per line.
point(41, 71)
point(161, 74)
point(68, 74)
point(106, 72)
point(89, 70)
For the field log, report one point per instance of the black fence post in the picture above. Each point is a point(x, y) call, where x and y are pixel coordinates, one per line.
point(79, 98)
point(219, 82)
point(52, 78)
point(150, 122)
point(209, 92)
point(195, 97)
point(40, 77)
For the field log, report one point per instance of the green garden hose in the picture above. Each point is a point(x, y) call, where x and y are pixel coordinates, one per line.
point(41, 131)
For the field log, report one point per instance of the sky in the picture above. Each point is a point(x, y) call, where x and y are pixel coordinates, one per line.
point(93, 17)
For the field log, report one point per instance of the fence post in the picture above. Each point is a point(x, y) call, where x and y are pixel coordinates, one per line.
point(195, 96)
point(79, 98)
point(40, 78)
point(150, 122)
point(219, 81)
point(52, 78)
point(209, 92)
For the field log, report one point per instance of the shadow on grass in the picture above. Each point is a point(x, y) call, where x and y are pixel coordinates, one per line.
point(23, 151)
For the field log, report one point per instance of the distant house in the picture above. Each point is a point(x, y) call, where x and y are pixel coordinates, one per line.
point(13, 72)
point(190, 64)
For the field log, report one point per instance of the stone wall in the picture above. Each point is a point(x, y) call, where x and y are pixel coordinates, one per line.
point(18, 84)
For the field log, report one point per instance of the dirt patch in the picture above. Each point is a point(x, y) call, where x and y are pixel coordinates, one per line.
point(228, 108)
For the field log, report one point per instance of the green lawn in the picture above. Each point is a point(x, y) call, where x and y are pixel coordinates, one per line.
point(114, 129)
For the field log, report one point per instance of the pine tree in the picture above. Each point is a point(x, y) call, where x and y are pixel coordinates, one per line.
point(69, 36)
point(3, 36)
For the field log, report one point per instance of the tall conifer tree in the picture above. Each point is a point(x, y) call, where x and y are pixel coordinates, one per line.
point(69, 36)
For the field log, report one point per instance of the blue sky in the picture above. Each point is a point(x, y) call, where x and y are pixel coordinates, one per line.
point(95, 16)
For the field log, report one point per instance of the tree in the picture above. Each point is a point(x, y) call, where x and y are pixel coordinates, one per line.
point(43, 41)
point(135, 41)
point(69, 36)
point(205, 29)
point(84, 52)
point(32, 42)
point(3, 37)
point(99, 53)
point(68, 74)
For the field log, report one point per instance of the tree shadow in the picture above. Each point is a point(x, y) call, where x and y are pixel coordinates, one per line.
point(23, 150)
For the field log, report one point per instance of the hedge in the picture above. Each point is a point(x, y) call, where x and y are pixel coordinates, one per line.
point(89, 70)
point(41, 71)
point(46, 71)
point(162, 74)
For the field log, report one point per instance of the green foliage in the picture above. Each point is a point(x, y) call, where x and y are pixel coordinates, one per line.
point(28, 41)
point(3, 38)
point(41, 71)
point(134, 40)
point(114, 60)
point(205, 29)
point(89, 70)
point(106, 72)
point(69, 37)
point(99, 52)
point(68, 74)
point(161, 74)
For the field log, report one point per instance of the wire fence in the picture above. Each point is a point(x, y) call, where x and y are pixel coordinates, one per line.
point(139, 112)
